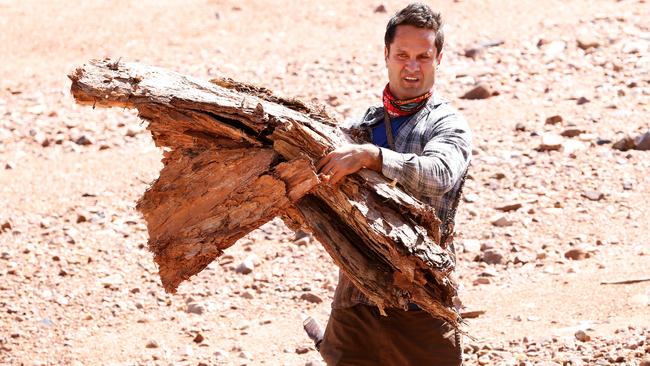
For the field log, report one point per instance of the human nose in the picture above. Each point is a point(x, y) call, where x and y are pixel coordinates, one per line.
point(412, 65)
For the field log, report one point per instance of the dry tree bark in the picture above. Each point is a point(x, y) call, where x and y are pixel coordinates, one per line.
point(236, 156)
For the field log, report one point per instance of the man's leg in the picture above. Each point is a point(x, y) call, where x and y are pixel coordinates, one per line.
point(351, 338)
point(421, 339)
point(360, 336)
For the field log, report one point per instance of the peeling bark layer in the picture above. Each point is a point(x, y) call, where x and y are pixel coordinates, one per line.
point(237, 156)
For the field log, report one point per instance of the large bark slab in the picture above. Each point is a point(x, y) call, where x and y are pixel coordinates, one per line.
point(236, 156)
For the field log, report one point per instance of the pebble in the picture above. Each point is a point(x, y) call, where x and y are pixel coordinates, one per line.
point(381, 8)
point(550, 142)
point(587, 41)
point(301, 350)
point(6, 226)
point(501, 221)
point(582, 336)
point(593, 195)
point(492, 256)
point(311, 297)
point(84, 140)
point(480, 91)
point(246, 266)
point(198, 338)
point(195, 308)
point(314, 363)
point(482, 281)
point(152, 344)
point(471, 246)
point(248, 295)
point(512, 206)
point(576, 254)
point(552, 120)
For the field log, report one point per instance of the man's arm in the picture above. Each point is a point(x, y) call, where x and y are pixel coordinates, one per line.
point(444, 159)
point(350, 159)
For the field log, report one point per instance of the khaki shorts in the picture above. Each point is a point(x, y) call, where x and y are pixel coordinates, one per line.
point(361, 336)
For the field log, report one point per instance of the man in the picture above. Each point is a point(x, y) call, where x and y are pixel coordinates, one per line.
point(426, 150)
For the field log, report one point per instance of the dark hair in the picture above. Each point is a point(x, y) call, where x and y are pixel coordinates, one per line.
point(418, 15)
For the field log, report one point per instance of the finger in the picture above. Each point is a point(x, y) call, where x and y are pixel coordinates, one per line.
point(337, 177)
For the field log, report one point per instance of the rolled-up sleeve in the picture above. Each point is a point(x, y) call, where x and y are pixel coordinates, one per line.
point(443, 161)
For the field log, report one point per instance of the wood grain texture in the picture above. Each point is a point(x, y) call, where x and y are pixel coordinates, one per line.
point(236, 156)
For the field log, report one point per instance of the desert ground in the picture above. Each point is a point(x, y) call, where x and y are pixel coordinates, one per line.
point(552, 208)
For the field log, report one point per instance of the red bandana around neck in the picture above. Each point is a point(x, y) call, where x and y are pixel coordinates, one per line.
point(403, 107)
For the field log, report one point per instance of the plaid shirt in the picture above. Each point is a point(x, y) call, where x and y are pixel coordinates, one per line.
point(433, 150)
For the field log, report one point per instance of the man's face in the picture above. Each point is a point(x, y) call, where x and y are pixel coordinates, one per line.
point(411, 61)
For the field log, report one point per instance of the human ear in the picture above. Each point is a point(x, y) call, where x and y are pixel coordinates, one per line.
point(439, 58)
point(386, 55)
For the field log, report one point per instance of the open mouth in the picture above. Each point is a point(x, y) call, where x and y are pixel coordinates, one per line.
point(411, 79)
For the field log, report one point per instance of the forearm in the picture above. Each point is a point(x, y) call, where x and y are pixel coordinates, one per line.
point(372, 157)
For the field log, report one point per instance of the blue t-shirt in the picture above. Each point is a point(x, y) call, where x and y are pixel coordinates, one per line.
point(379, 137)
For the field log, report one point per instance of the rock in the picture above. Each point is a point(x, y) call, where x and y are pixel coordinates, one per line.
point(480, 91)
point(473, 52)
point(195, 308)
point(198, 338)
point(593, 195)
point(245, 355)
point(501, 221)
point(492, 256)
point(221, 354)
point(471, 246)
point(586, 41)
point(314, 363)
point(624, 144)
point(512, 206)
point(553, 50)
point(645, 362)
point(10, 165)
point(484, 360)
point(553, 120)
point(576, 254)
point(84, 140)
point(303, 242)
point(113, 281)
point(381, 8)
point(635, 46)
point(311, 297)
point(570, 147)
point(246, 266)
point(582, 336)
point(520, 127)
point(550, 142)
point(133, 132)
point(152, 344)
point(248, 295)
point(524, 258)
point(572, 132)
point(470, 197)
point(582, 100)
point(82, 217)
point(301, 350)
point(5, 226)
point(642, 142)
point(482, 281)
point(628, 184)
